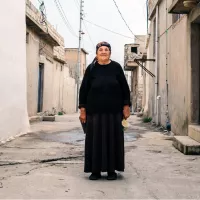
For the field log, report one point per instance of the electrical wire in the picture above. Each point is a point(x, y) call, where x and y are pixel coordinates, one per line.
point(88, 34)
point(77, 5)
point(65, 20)
point(125, 21)
point(65, 15)
point(108, 29)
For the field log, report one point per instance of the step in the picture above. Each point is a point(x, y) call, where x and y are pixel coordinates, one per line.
point(194, 132)
point(186, 145)
point(34, 119)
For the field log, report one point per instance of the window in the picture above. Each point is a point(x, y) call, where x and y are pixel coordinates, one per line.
point(134, 50)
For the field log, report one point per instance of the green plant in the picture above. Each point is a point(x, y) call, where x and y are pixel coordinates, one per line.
point(52, 113)
point(60, 113)
point(147, 119)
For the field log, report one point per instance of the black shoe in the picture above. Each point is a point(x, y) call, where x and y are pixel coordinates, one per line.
point(95, 176)
point(112, 176)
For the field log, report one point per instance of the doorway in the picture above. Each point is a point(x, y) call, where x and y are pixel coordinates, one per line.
point(195, 73)
point(40, 87)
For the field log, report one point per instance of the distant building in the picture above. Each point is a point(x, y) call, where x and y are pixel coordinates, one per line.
point(71, 58)
point(138, 78)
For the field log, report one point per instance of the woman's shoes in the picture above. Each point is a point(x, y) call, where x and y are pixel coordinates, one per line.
point(112, 176)
point(95, 176)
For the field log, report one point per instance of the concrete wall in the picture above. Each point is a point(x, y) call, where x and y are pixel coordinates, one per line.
point(150, 83)
point(13, 101)
point(71, 58)
point(69, 92)
point(173, 68)
point(59, 88)
point(178, 78)
point(49, 91)
point(32, 63)
point(140, 94)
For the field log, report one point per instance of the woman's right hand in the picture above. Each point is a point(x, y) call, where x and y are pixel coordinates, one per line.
point(82, 115)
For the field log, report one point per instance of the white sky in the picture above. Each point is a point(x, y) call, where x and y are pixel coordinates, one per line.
point(103, 13)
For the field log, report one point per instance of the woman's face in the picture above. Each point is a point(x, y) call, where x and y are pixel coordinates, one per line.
point(103, 54)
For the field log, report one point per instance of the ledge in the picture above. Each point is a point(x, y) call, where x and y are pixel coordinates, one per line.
point(177, 7)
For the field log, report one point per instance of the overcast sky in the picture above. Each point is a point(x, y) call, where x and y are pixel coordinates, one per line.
point(103, 13)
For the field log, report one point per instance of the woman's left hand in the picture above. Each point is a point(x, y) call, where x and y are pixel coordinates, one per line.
point(126, 112)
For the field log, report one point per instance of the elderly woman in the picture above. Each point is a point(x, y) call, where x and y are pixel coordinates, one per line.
point(104, 101)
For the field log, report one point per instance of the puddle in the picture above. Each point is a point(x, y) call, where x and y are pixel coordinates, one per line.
point(78, 137)
point(131, 137)
point(72, 137)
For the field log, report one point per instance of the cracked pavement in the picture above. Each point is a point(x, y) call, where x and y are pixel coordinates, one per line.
point(48, 164)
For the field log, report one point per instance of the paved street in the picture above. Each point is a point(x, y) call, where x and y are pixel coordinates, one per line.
point(48, 164)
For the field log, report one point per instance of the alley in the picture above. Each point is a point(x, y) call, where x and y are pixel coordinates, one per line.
point(47, 163)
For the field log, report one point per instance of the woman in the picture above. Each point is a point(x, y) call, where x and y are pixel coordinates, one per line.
point(104, 101)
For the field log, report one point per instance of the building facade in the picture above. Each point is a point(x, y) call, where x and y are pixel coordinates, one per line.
point(138, 75)
point(13, 101)
point(49, 85)
point(174, 40)
point(71, 58)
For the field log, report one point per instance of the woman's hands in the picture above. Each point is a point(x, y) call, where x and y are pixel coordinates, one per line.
point(126, 112)
point(82, 115)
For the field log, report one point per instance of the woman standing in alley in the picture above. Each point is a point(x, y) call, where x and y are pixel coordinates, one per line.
point(104, 101)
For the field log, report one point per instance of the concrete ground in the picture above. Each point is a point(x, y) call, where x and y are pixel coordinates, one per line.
point(48, 164)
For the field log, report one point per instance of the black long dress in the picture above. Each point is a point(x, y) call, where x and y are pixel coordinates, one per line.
point(104, 91)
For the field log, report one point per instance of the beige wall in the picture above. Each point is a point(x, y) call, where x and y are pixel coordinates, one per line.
point(178, 77)
point(13, 101)
point(71, 58)
point(140, 94)
point(69, 92)
point(172, 66)
point(49, 92)
point(32, 66)
point(59, 87)
point(150, 101)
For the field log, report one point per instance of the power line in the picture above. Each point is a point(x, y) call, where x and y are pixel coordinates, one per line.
point(125, 21)
point(65, 16)
point(77, 4)
point(89, 34)
point(62, 13)
point(109, 30)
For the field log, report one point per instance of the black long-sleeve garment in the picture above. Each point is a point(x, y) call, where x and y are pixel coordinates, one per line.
point(104, 89)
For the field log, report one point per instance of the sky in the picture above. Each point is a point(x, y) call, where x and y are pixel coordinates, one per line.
point(103, 13)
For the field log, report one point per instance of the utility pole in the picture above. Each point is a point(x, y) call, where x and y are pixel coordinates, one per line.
point(79, 54)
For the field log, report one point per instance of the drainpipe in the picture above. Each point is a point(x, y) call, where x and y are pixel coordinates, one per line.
point(147, 6)
point(168, 124)
point(156, 71)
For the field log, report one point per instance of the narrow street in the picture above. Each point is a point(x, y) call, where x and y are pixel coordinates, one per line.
point(47, 163)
